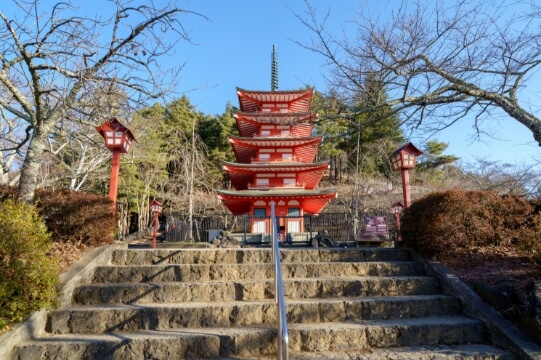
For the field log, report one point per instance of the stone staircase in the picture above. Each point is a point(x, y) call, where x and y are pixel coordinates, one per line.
point(370, 303)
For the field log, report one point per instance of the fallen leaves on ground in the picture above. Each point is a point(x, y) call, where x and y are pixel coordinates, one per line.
point(494, 265)
point(67, 254)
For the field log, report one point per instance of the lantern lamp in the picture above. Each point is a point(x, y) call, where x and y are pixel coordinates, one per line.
point(397, 207)
point(403, 159)
point(117, 136)
point(156, 207)
point(118, 139)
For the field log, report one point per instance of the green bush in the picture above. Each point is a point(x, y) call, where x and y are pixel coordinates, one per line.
point(73, 216)
point(28, 277)
point(441, 223)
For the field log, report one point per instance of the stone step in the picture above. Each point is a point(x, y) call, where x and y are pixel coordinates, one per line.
point(217, 272)
point(122, 346)
point(101, 319)
point(438, 352)
point(257, 341)
point(176, 292)
point(239, 256)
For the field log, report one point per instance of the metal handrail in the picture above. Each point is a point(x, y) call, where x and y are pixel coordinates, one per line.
point(283, 338)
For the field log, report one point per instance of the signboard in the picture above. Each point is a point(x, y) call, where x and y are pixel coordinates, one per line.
point(375, 224)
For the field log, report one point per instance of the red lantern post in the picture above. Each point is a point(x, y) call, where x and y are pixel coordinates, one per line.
point(402, 159)
point(118, 139)
point(397, 208)
point(156, 209)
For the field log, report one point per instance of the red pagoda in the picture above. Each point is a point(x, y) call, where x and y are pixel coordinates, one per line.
point(275, 159)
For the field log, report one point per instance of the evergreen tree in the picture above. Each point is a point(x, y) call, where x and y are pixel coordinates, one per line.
point(434, 167)
point(215, 132)
point(362, 132)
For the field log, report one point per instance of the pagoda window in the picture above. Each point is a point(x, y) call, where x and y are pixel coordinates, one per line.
point(267, 107)
point(260, 213)
point(287, 156)
point(262, 182)
point(289, 182)
point(293, 221)
point(264, 156)
point(265, 132)
point(284, 108)
point(260, 221)
point(285, 132)
point(294, 212)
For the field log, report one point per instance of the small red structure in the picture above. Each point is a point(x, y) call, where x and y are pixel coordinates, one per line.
point(275, 155)
point(156, 209)
point(404, 158)
point(118, 139)
point(397, 208)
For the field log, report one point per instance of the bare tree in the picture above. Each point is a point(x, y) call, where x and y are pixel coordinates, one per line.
point(51, 58)
point(439, 61)
point(11, 152)
point(503, 178)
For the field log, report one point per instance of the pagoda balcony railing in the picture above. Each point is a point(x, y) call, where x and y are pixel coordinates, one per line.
point(295, 186)
point(256, 160)
point(273, 134)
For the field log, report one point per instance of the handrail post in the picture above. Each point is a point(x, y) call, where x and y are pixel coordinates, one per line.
point(283, 339)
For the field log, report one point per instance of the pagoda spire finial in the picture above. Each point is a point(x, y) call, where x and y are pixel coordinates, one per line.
point(274, 73)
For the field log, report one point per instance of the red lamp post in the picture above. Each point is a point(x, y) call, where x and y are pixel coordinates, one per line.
point(397, 208)
point(402, 159)
point(156, 209)
point(118, 139)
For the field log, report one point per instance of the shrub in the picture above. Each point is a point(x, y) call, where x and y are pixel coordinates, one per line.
point(441, 223)
point(28, 276)
point(73, 216)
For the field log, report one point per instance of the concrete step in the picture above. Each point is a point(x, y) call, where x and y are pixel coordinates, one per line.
point(212, 291)
point(101, 319)
point(239, 256)
point(255, 341)
point(249, 271)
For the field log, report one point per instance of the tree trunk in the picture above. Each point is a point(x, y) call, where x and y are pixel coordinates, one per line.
point(31, 164)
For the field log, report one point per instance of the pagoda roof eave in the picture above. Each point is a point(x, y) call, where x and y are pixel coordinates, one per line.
point(239, 202)
point(277, 117)
point(262, 194)
point(298, 100)
point(298, 92)
point(275, 141)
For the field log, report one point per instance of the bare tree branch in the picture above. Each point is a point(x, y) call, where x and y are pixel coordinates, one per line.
point(53, 60)
point(440, 61)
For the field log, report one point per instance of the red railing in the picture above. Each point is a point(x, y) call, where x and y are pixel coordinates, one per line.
point(272, 186)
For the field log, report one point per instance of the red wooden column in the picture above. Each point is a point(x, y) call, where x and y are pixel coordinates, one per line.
point(115, 171)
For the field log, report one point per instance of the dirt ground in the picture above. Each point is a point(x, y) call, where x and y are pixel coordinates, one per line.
point(494, 265)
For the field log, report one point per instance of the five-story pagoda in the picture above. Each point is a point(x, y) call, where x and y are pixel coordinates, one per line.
point(275, 159)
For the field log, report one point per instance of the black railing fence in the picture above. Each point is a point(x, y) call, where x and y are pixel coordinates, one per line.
point(339, 226)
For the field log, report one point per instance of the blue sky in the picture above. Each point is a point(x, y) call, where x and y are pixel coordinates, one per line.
point(233, 48)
